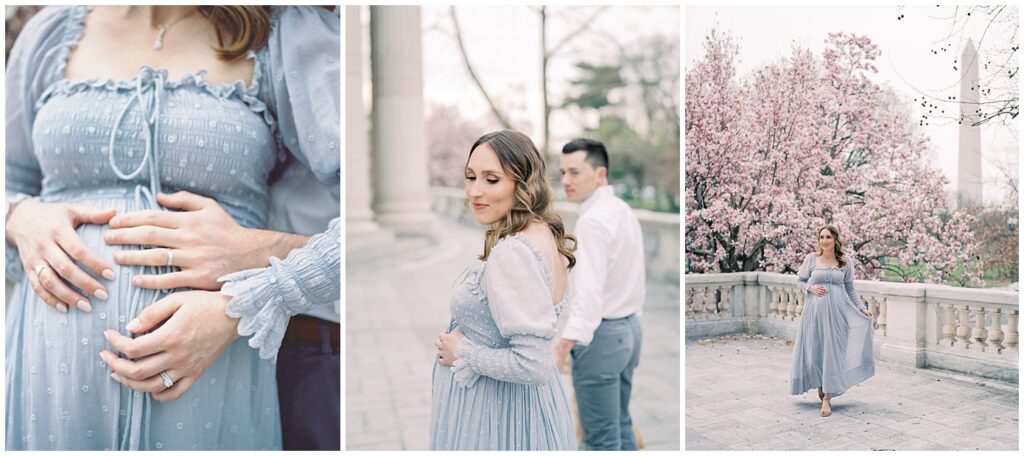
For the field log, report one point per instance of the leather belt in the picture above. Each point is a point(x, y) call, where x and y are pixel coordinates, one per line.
point(305, 328)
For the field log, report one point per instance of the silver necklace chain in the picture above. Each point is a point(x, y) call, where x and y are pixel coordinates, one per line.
point(159, 43)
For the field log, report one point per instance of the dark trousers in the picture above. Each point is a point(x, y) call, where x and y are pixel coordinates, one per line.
point(602, 375)
point(309, 392)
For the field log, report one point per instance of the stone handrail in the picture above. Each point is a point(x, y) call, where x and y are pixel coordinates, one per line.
point(969, 330)
point(660, 230)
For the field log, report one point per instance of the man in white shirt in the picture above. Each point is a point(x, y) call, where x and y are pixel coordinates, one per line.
point(603, 332)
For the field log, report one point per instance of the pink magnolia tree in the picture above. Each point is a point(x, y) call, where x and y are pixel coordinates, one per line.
point(809, 141)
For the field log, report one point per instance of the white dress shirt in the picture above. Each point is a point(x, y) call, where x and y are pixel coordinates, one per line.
point(608, 281)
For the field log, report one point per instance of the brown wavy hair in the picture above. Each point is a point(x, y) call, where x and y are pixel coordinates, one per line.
point(840, 255)
point(521, 160)
point(240, 28)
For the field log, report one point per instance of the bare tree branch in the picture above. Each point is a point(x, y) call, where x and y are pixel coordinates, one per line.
point(472, 74)
point(569, 36)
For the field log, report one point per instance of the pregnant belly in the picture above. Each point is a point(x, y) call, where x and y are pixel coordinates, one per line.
point(125, 301)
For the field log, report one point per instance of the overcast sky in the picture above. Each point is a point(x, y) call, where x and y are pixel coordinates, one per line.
point(503, 43)
point(906, 63)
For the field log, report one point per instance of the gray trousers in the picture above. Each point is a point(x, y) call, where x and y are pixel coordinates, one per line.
point(602, 375)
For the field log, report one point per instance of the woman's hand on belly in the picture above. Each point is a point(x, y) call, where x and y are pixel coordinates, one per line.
point(446, 344)
point(202, 240)
point(817, 290)
point(194, 333)
point(45, 236)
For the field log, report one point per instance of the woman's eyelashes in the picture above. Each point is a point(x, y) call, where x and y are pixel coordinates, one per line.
point(489, 180)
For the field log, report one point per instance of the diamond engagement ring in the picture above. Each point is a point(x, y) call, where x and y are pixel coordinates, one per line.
point(40, 268)
point(167, 379)
point(170, 259)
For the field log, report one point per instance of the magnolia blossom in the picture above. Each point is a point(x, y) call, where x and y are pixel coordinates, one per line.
point(808, 141)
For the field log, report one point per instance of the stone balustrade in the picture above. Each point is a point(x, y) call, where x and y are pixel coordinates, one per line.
point(660, 230)
point(969, 330)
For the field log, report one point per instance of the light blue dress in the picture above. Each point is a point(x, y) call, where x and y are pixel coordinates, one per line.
point(115, 144)
point(503, 392)
point(833, 346)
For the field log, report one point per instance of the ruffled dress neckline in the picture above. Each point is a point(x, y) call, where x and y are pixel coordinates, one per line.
point(248, 94)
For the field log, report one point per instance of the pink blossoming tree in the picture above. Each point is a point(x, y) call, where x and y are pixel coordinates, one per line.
point(808, 141)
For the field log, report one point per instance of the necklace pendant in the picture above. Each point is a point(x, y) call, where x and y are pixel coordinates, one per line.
point(159, 43)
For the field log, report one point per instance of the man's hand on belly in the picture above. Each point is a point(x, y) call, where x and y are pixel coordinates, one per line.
point(194, 333)
point(201, 239)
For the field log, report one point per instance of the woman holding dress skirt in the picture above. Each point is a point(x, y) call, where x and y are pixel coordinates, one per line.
point(833, 349)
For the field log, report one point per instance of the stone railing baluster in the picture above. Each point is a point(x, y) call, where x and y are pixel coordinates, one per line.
point(800, 301)
point(773, 305)
point(790, 304)
point(725, 291)
point(710, 306)
point(979, 333)
point(1012, 336)
point(963, 327)
point(995, 335)
point(872, 303)
point(948, 324)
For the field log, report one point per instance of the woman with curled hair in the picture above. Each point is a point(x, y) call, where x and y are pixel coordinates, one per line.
point(495, 383)
point(129, 110)
point(833, 349)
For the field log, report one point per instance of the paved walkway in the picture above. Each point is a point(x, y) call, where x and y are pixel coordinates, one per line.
point(397, 303)
point(737, 398)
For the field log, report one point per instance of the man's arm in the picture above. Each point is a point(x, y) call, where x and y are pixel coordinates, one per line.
point(265, 298)
point(588, 284)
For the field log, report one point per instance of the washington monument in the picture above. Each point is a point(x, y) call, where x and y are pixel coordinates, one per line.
point(968, 176)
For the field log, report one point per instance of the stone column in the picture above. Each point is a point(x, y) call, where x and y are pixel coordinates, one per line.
point(400, 173)
point(358, 215)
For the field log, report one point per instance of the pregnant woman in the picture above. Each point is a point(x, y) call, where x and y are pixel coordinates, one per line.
point(495, 383)
point(833, 349)
point(107, 107)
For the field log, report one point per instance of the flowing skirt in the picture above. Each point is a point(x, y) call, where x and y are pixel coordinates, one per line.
point(833, 347)
point(498, 415)
point(60, 395)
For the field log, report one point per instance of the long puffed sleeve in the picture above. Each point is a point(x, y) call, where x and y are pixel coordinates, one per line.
point(36, 62)
point(518, 294)
point(303, 86)
point(804, 274)
point(266, 298)
point(848, 284)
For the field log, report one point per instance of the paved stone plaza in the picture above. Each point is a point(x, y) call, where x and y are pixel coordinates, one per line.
point(397, 303)
point(737, 398)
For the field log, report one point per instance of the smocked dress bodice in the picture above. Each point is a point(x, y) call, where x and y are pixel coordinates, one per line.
point(471, 314)
point(151, 134)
